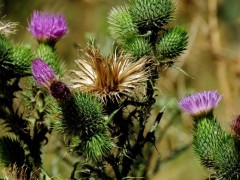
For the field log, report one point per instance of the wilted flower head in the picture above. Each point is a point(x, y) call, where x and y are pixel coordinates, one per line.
point(235, 125)
point(7, 28)
point(108, 78)
point(47, 27)
point(60, 91)
point(42, 73)
point(200, 103)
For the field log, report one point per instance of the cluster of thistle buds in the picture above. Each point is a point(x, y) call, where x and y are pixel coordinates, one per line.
point(90, 105)
point(217, 149)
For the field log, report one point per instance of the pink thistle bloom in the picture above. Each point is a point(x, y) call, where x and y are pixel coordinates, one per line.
point(200, 103)
point(47, 27)
point(42, 73)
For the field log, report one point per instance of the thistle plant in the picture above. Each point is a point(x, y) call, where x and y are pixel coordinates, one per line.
point(216, 149)
point(101, 108)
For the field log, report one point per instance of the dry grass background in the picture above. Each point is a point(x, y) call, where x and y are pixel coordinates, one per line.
point(212, 58)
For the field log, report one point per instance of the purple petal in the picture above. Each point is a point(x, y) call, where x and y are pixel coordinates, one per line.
point(198, 103)
point(47, 26)
point(42, 73)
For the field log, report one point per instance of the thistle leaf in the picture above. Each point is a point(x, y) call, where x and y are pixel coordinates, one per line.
point(11, 152)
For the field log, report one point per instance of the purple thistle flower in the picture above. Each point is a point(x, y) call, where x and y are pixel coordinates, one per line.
point(42, 73)
point(200, 103)
point(47, 27)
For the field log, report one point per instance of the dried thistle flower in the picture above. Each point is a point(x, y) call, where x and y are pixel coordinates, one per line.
point(19, 173)
point(8, 28)
point(108, 78)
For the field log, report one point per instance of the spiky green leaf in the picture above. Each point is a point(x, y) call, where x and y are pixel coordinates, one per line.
point(11, 152)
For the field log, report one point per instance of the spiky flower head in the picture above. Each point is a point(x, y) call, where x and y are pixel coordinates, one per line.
point(173, 42)
point(235, 125)
point(47, 26)
point(42, 73)
point(201, 103)
point(121, 26)
point(108, 78)
point(82, 115)
point(151, 15)
point(138, 47)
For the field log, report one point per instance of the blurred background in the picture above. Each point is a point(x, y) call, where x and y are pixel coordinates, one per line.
point(212, 59)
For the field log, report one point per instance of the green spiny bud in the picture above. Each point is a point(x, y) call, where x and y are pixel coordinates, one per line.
point(215, 148)
point(138, 47)
point(94, 147)
point(151, 15)
point(172, 43)
point(82, 115)
point(49, 55)
point(22, 57)
point(121, 25)
point(14, 60)
point(203, 142)
point(5, 56)
point(11, 152)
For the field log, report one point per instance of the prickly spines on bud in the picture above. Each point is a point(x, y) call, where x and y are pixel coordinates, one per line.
point(215, 148)
point(138, 47)
point(203, 142)
point(151, 15)
point(82, 115)
point(121, 25)
point(22, 57)
point(5, 55)
point(94, 147)
point(172, 43)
